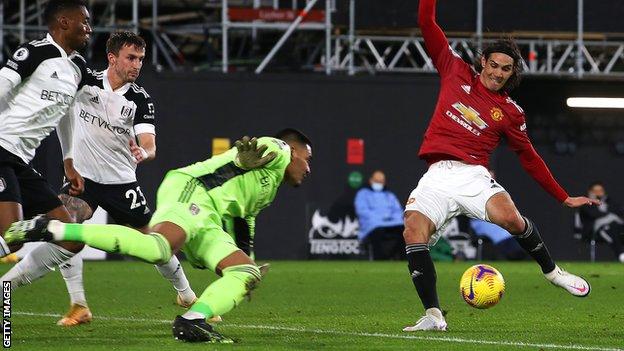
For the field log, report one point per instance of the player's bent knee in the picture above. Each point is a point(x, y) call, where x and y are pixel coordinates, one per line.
point(249, 274)
point(164, 252)
point(418, 228)
point(78, 209)
point(513, 224)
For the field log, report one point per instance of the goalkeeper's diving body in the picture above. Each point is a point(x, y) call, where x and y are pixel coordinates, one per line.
point(190, 204)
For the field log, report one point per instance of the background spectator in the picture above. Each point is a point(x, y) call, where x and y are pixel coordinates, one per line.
point(602, 223)
point(381, 219)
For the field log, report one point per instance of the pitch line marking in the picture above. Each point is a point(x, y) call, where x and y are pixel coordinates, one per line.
point(337, 332)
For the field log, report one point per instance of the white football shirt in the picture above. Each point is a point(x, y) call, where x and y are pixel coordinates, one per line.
point(45, 80)
point(104, 121)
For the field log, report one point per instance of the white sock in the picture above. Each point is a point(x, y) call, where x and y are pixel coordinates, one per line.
point(622, 257)
point(20, 254)
point(173, 272)
point(36, 264)
point(193, 315)
point(57, 228)
point(72, 273)
point(4, 248)
point(434, 312)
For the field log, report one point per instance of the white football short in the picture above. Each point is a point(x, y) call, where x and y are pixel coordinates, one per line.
point(452, 188)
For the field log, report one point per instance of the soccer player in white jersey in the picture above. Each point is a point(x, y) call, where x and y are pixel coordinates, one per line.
point(109, 115)
point(37, 85)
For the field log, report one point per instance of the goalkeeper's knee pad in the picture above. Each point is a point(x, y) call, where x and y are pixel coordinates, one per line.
point(249, 274)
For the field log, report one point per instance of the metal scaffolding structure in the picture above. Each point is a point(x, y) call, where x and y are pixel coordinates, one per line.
point(29, 19)
point(577, 58)
point(208, 25)
point(296, 24)
point(542, 57)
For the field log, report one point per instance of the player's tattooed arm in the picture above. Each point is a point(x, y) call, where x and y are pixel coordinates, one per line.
point(78, 208)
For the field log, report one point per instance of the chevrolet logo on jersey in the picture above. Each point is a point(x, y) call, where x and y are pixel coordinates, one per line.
point(470, 115)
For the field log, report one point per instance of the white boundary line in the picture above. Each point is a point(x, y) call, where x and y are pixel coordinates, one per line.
point(337, 332)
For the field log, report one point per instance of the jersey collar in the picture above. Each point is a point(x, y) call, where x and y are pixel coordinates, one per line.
point(107, 87)
point(51, 40)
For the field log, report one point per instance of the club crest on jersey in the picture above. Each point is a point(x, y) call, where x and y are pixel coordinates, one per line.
point(126, 112)
point(21, 54)
point(470, 115)
point(194, 209)
point(496, 114)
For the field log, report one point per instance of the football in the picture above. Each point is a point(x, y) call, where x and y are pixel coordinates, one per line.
point(482, 286)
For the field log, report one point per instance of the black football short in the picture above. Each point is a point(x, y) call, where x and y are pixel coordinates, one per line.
point(20, 183)
point(125, 203)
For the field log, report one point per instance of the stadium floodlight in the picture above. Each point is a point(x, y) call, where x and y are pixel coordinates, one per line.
point(595, 102)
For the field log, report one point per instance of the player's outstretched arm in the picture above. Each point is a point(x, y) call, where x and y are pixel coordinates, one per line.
point(574, 202)
point(536, 167)
point(249, 155)
point(435, 40)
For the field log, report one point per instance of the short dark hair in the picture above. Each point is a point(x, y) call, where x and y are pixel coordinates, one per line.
point(119, 39)
point(53, 8)
point(292, 134)
point(508, 47)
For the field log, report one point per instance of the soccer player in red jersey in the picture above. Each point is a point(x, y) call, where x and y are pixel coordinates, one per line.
point(473, 113)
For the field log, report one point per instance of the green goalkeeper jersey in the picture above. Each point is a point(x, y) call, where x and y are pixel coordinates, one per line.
point(239, 193)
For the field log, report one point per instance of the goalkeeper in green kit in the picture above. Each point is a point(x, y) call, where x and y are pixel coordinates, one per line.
point(190, 205)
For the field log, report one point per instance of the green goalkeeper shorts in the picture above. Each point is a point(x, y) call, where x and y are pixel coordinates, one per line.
point(182, 200)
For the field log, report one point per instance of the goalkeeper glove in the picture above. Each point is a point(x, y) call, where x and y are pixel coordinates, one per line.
point(249, 155)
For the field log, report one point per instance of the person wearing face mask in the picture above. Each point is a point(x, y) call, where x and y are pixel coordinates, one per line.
point(380, 216)
point(603, 223)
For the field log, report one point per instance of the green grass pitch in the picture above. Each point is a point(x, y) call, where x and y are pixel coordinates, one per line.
point(329, 306)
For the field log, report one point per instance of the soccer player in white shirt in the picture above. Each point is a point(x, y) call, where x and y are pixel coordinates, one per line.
point(37, 85)
point(109, 115)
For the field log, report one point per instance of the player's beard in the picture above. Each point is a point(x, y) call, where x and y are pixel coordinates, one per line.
point(131, 78)
point(81, 43)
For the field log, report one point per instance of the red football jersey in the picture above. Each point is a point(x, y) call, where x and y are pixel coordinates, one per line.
point(469, 120)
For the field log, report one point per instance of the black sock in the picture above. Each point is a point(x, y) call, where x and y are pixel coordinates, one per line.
point(423, 274)
point(532, 243)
